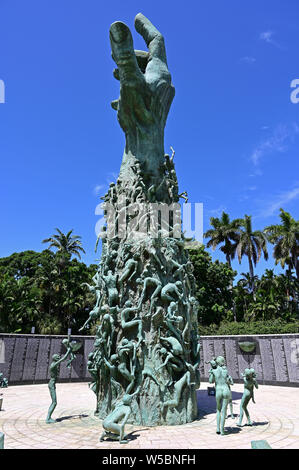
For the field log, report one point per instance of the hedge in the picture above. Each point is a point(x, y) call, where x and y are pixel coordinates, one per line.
point(250, 328)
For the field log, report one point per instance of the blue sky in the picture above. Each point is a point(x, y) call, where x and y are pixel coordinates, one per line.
point(232, 124)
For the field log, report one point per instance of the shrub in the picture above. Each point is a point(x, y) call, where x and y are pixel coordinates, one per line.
point(250, 328)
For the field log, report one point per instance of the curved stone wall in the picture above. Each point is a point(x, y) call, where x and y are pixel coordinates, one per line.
point(275, 358)
point(26, 358)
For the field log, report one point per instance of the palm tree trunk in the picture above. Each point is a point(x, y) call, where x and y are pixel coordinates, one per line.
point(228, 260)
point(251, 273)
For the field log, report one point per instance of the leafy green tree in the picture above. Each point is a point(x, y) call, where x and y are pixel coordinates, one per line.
point(270, 284)
point(8, 299)
point(241, 300)
point(285, 238)
point(35, 290)
point(19, 303)
point(289, 289)
point(24, 263)
point(251, 243)
point(263, 307)
point(243, 296)
point(214, 280)
point(274, 297)
point(66, 244)
point(224, 231)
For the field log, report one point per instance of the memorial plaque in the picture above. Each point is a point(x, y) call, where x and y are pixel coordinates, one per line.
point(255, 361)
point(2, 351)
point(208, 354)
point(291, 347)
point(65, 372)
point(231, 358)
point(201, 364)
point(246, 358)
point(280, 364)
point(267, 359)
point(243, 362)
point(42, 363)
point(219, 348)
point(9, 346)
point(56, 347)
point(77, 365)
point(30, 360)
point(88, 348)
point(18, 359)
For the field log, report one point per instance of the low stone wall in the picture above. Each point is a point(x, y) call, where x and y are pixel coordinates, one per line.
point(275, 357)
point(26, 358)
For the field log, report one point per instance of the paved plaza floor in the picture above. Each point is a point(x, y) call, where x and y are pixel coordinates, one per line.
point(275, 418)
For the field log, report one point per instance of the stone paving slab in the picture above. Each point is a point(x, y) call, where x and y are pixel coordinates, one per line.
point(22, 419)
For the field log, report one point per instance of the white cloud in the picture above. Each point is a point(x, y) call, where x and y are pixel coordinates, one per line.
point(98, 188)
point(217, 211)
point(267, 36)
point(248, 59)
point(247, 195)
point(277, 142)
point(256, 172)
point(111, 177)
point(281, 200)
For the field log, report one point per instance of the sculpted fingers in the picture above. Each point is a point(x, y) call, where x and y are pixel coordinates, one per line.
point(153, 38)
point(123, 52)
point(142, 61)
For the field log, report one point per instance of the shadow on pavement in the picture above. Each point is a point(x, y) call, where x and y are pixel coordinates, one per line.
point(131, 436)
point(261, 423)
point(207, 403)
point(71, 417)
point(230, 430)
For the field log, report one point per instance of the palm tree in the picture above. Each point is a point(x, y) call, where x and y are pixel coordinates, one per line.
point(289, 285)
point(67, 245)
point(243, 293)
point(246, 282)
point(270, 283)
point(251, 244)
point(47, 280)
point(263, 308)
point(224, 231)
point(285, 238)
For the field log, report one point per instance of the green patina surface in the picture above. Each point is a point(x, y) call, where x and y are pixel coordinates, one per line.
point(71, 348)
point(219, 375)
point(3, 381)
point(260, 445)
point(247, 346)
point(250, 383)
point(144, 365)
